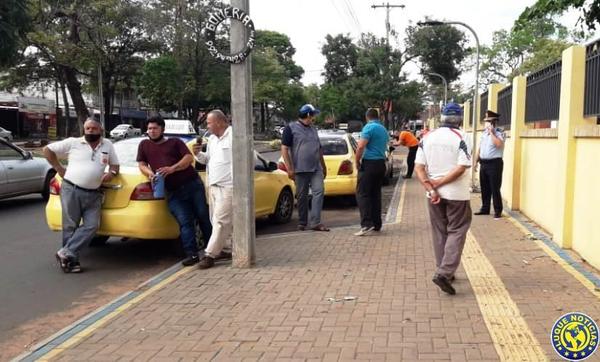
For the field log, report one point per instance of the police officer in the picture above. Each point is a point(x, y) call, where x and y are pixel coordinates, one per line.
point(491, 148)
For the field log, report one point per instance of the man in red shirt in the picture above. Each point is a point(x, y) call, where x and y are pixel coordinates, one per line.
point(407, 139)
point(186, 198)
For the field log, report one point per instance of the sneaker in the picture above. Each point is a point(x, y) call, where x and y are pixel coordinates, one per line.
point(206, 262)
point(452, 279)
point(498, 216)
point(364, 231)
point(190, 260)
point(75, 267)
point(225, 255)
point(63, 262)
point(406, 177)
point(481, 212)
point(444, 284)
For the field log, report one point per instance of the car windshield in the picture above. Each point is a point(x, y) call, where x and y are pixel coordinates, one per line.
point(121, 126)
point(127, 152)
point(334, 146)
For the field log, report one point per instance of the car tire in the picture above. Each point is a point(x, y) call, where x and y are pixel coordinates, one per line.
point(46, 190)
point(284, 208)
point(99, 240)
point(200, 240)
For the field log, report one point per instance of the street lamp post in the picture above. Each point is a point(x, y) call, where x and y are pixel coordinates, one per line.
point(445, 85)
point(476, 89)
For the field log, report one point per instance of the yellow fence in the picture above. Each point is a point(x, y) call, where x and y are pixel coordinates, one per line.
point(553, 175)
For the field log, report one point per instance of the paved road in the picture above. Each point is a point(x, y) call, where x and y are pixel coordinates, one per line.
point(38, 300)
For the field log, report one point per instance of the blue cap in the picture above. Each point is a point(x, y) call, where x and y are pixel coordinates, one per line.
point(308, 108)
point(452, 109)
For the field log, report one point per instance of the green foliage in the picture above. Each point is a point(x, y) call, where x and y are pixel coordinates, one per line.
point(14, 23)
point(440, 49)
point(524, 49)
point(282, 46)
point(590, 11)
point(158, 82)
point(342, 55)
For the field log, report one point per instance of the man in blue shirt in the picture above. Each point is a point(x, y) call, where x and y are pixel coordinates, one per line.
point(370, 161)
point(489, 157)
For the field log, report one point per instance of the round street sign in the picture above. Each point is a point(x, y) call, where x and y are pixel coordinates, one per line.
point(211, 27)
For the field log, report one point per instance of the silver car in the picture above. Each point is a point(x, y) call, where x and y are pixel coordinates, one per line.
point(6, 134)
point(21, 173)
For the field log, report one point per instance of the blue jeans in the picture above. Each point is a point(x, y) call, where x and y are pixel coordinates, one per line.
point(188, 205)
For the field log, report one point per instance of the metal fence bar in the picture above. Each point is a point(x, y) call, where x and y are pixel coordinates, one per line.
point(543, 94)
point(591, 97)
point(505, 107)
point(483, 105)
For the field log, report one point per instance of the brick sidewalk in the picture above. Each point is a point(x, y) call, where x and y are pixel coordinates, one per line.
point(292, 305)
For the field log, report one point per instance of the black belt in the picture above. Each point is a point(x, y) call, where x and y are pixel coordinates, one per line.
point(490, 160)
point(79, 187)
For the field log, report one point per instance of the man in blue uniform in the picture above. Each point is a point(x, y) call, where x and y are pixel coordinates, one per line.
point(491, 148)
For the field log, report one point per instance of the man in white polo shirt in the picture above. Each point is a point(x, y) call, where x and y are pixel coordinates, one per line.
point(441, 163)
point(218, 158)
point(80, 195)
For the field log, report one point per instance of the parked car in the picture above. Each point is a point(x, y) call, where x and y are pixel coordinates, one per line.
point(21, 173)
point(389, 160)
point(125, 131)
point(129, 208)
point(6, 134)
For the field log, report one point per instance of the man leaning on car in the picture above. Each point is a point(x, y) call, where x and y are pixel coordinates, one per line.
point(184, 189)
point(80, 196)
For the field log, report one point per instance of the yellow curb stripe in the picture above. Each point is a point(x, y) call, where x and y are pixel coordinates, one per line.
point(102, 321)
point(511, 335)
point(560, 261)
point(401, 203)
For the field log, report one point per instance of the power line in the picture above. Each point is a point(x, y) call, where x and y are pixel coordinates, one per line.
point(342, 16)
point(353, 15)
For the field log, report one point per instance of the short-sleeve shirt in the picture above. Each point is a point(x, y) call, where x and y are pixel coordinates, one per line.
point(378, 139)
point(168, 153)
point(86, 165)
point(441, 151)
point(487, 148)
point(408, 139)
point(305, 145)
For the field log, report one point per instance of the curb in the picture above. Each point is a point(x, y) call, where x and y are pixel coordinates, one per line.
point(44, 347)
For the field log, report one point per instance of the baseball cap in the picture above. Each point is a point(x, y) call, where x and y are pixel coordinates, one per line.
point(452, 109)
point(308, 108)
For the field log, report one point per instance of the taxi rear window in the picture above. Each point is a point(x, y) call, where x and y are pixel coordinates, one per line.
point(334, 146)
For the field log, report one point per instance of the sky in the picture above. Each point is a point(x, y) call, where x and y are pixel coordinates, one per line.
point(307, 22)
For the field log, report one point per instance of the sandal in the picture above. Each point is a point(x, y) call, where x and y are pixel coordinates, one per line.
point(301, 227)
point(320, 227)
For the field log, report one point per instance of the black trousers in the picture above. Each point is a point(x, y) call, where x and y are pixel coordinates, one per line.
point(368, 192)
point(490, 179)
point(410, 160)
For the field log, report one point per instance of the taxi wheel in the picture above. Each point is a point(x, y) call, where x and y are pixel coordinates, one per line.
point(284, 208)
point(200, 238)
point(99, 240)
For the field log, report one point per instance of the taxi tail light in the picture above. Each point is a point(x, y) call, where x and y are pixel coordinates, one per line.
point(345, 168)
point(143, 191)
point(281, 166)
point(54, 187)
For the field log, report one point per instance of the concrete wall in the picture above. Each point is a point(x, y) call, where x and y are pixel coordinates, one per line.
point(552, 175)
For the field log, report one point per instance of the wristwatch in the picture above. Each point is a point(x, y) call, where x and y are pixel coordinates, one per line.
point(430, 193)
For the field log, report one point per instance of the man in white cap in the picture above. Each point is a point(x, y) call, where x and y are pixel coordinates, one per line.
point(303, 157)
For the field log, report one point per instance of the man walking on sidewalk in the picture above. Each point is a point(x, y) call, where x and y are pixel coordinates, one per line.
point(489, 157)
point(303, 157)
point(80, 194)
point(218, 158)
point(442, 160)
point(407, 139)
point(186, 198)
point(370, 161)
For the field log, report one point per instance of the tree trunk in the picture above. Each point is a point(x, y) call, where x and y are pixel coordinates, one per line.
point(262, 117)
point(74, 87)
point(66, 103)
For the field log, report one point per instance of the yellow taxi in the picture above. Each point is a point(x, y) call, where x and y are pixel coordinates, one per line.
point(339, 150)
point(130, 210)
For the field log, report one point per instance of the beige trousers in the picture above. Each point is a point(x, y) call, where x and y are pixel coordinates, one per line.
point(221, 217)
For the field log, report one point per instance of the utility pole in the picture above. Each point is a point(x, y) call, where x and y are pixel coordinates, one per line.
point(101, 98)
point(388, 27)
point(243, 156)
